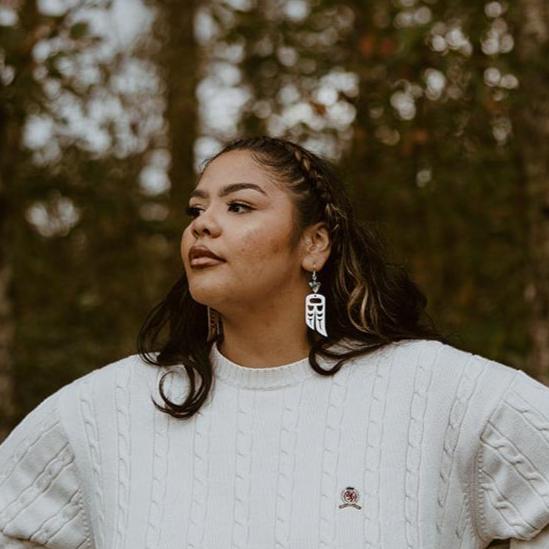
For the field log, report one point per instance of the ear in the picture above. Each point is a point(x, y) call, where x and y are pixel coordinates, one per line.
point(317, 246)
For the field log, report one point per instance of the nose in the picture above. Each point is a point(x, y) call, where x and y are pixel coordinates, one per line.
point(204, 223)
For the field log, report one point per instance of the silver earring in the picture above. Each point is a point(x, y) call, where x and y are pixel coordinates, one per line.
point(315, 308)
point(214, 324)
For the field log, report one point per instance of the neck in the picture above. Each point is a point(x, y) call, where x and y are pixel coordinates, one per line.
point(276, 353)
point(276, 336)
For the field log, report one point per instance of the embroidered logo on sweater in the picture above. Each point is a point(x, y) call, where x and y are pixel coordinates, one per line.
point(350, 497)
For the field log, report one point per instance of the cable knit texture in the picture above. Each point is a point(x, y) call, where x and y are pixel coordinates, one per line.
point(40, 494)
point(513, 463)
point(418, 445)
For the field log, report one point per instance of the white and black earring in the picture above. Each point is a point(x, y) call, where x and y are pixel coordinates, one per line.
point(315, 307)
point(214, 324)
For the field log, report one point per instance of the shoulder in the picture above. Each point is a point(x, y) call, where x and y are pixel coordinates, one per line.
point(445, 359)
point(446, 377)
point(133, 364)
point(129, 370)
point(127, 373)
point(454, 362)
point(114, 390)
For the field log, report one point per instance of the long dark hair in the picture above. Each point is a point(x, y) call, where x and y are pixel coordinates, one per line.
point(368, 300)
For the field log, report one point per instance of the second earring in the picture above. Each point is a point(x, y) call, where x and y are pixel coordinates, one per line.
point(315, 308)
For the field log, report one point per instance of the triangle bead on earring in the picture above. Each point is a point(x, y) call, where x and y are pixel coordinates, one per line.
point(315, 308)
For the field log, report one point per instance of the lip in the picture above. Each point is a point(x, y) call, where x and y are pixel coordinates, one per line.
point(202, 252)
point(204, 261)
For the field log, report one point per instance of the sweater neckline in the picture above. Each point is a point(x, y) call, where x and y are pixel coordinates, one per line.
point(270, 377)
point(283, 375)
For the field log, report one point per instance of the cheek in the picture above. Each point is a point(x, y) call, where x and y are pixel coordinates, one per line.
point(262, 249)
point(185, 243)
point(249, 246)
point(185, 237)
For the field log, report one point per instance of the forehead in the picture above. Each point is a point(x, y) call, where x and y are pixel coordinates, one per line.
point(237, 167)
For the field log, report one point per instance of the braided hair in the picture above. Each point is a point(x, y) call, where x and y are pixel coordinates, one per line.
point(369, 302)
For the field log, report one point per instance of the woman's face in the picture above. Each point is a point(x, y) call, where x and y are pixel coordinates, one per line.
point(251, 229)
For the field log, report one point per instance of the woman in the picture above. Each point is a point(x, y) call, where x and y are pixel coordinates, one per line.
point(310, 403)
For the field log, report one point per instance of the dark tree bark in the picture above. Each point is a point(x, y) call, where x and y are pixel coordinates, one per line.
point(13, 102)
point(180, 67)
point(531, 123)
point(9, 137)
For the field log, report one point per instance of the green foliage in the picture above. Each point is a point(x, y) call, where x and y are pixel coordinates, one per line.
point(79, 30)
point(429, 154)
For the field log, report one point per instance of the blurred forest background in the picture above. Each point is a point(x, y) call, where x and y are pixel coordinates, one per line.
point(436, 112)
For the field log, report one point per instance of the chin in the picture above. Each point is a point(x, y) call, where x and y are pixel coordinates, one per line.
point(203, 295)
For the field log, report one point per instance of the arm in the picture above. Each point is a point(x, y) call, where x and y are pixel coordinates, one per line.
point(512, 467)
point(40, 499)
point(11, 543)
point(541, 541)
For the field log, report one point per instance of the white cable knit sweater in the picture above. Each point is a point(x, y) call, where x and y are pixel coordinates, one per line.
point(418, 445)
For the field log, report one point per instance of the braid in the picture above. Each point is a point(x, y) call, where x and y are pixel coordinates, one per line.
point(307, 165)
point(311, 173)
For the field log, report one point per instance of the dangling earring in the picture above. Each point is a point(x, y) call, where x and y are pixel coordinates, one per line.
point(315, 308)
point(214, 324)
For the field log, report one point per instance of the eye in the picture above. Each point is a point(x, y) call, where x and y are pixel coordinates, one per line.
point(239, 205)
point(192, 211)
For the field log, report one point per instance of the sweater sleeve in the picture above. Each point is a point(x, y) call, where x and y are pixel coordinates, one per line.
point(540, 541)
point(40, 498)
point(512, 467)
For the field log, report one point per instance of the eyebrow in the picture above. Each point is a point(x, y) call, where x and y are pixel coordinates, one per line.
point(228, 189)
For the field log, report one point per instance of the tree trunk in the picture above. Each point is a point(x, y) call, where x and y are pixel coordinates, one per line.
point(361, 159)
point(12, 119)
point(7, 324)
point(179, 66)
point(531, 121)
